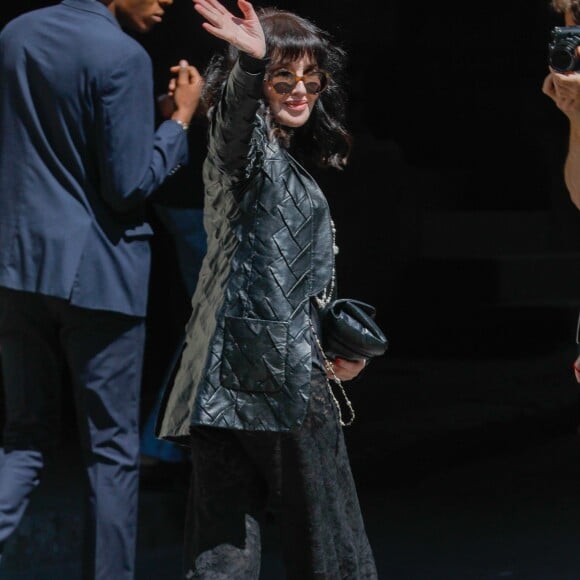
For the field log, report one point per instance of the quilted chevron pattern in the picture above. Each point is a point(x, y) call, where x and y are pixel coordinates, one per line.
point(247, 360)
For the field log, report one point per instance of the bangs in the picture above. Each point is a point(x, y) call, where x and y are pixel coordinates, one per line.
point(293, 53)
point(290, 37)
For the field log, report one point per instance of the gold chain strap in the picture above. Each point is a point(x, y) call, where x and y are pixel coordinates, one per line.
point(330, 368)
point(327, 294)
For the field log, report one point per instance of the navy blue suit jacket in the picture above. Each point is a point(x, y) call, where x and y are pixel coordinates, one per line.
point(79, 155)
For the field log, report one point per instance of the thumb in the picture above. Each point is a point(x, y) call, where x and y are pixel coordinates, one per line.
point(183, 72)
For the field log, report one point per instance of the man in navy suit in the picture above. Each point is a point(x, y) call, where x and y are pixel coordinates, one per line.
point(79, 155)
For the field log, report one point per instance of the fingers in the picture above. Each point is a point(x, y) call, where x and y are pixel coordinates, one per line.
point(213, 12)
point(564, 90)
point(548, 86)
point(186, 74)
point(214, 5)
point(185, 89)
point(247, 9)
point(347, 370)
point(166, 104)
point(567, 82)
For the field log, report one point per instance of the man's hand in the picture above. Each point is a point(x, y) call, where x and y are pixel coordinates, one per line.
point(182, 99)
point(577, 369)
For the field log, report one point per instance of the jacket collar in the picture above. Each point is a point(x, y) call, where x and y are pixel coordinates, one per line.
point(92, 6)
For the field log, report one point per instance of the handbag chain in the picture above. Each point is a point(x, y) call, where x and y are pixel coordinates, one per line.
point(328, 293)
point(330, 370)
point(321, 301)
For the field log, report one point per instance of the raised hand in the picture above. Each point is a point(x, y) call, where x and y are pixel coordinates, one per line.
point(244, 33)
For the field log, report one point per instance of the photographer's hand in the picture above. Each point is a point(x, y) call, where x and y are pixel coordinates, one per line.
point(564, 90)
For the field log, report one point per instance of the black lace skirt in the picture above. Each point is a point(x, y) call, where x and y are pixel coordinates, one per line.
point(301, 478)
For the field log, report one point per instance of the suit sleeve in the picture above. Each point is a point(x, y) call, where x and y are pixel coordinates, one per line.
point(133, 158)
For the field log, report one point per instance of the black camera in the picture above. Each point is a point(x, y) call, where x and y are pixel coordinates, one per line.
point(562, 54)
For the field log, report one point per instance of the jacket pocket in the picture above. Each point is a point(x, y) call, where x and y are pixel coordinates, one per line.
point(254, 354)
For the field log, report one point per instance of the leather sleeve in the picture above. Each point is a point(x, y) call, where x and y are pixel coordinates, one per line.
point(232, 127)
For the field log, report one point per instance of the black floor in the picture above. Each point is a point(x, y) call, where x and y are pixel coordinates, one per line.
point(467, 469)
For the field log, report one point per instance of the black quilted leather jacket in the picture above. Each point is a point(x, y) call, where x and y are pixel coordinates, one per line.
point(247, 359)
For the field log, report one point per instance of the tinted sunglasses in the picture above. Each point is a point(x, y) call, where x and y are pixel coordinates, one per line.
point(283, 81)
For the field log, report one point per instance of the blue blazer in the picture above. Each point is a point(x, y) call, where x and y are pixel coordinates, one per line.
point(79, 155)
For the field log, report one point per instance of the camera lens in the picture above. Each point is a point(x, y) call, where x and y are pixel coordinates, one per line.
point(562, 55)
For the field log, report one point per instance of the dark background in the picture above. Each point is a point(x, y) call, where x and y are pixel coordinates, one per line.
point(452, 218)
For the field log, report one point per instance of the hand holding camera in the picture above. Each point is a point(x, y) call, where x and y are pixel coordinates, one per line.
point(563, 49)
point(562, 84)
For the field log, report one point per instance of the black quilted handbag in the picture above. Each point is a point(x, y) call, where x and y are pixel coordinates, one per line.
point(349, 330)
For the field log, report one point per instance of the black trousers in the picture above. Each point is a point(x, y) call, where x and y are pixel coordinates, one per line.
point(302, 477)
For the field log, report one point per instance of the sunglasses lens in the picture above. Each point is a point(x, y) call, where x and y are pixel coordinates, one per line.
point(315, 82)
point(284, 82)
point(282, 88)
point(312, 87)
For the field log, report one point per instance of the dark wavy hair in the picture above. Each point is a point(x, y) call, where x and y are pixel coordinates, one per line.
point(324, 139)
